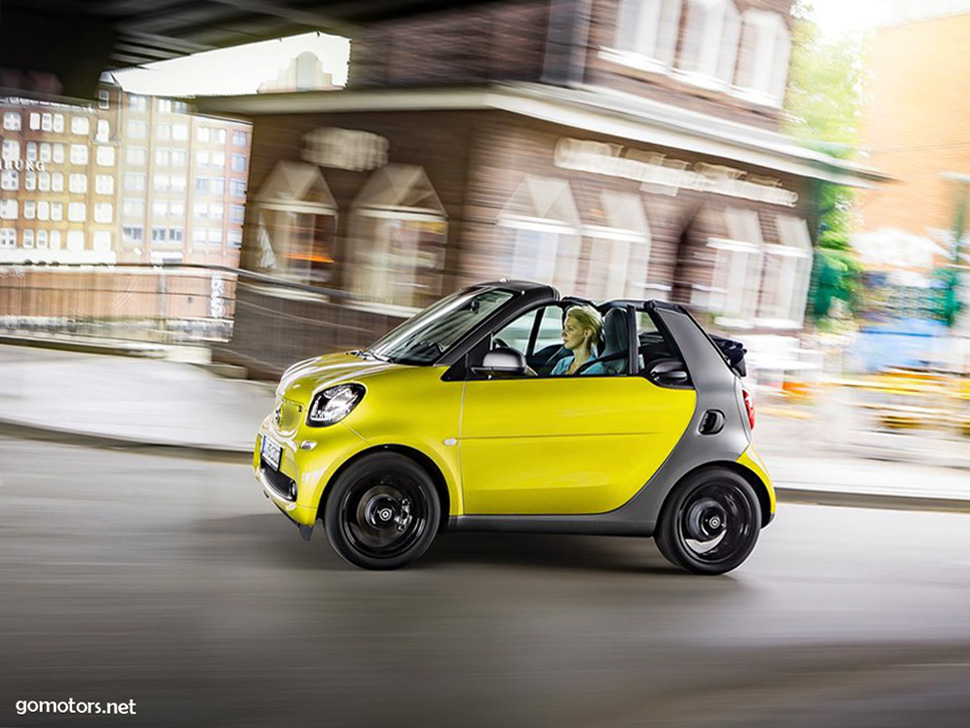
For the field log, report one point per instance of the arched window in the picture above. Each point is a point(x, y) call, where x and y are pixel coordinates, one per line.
point(542, 224)
point(619, 252)
point(710, 45)
point(648, 28)
point(398, 234)
point(763, 62)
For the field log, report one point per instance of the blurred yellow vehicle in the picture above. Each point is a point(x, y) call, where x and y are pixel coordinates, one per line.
point(454, 421)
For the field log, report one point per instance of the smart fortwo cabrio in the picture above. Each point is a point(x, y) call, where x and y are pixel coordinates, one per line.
point(455, 421)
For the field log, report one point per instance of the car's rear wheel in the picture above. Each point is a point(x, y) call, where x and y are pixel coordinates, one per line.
point(383, 512)
point(710, 522)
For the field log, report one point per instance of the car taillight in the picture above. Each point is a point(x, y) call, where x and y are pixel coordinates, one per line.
point(749, 405)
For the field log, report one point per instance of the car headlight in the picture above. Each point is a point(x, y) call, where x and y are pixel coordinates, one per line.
point(332, 405)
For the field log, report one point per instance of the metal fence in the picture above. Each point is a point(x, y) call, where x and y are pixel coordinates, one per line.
point(164, 304)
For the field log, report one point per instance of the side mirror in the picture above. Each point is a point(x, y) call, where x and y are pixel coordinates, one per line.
point(503, 362)
point(669, 373)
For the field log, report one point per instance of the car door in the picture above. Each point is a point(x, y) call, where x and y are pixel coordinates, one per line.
point(564, 445)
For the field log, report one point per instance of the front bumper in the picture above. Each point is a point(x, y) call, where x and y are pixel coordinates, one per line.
point(297, 487)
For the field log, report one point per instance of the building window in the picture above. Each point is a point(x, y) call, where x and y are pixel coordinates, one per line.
point(103, 212)
point(105, 156)
point(75, 240)
point(163, 132)
point(763, 60)
point(77, 183)
point(787, 271)
point(42, 238)
point(104, 130)
point(234, 239)
point(178, 158)
point(738, 260)
point(237, 188)
point(202, 159)
point(180, 132)
point(30, 209)
point(159, 209)
point(202, 185)
point(28, 238)
point(104, 184)
point(77, 211)
point(9, 180)
point(57, 211)
point(179, 107)
point(102, 241)
point(239, 138)
point(79, 154)
point(239, 162)
point(57, 182)
point(44, 181)
point(214, 236)
point(176, 235)
point(45, 152)
point(648, 28)
point(165, 106)
point(131, 207)
point(200, 210)
point(202, 134)
point(217, 186)
point(134, 182)
point(163, 157)
point(58, 154)
point(47, 122)
point(178, 183)
point(32, 151)
point(216, 212)
point(58, 122)
point(160, 182)
point(55, 240)
point(159, 235)
point(237, 213)
point(218, 159)
point(137, 129)
point(11, 120)
point(43, 210)
point(8, 238)
point(104, 99)
point(136, 156)
point(710, 44)
point(35, 121)
point(8, 209)
point(137, 103)
point(176, 209)
point(219, 136)
point(80, 125)
point(30, 181)
point(133, 233)
point(11, 150)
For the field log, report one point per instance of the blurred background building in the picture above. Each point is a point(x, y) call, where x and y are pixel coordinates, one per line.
point(612, 148)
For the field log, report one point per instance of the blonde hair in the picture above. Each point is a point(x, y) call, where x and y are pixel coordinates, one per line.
point(589, 319)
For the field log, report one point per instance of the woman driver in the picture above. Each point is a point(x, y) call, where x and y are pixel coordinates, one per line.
point(580, 332)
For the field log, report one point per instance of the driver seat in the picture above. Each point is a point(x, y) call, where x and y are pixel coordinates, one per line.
point(616, 332)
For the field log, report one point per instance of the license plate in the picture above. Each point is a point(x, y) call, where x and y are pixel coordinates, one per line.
point(271, 453)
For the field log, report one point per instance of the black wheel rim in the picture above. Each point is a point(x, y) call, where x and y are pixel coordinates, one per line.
point(384, 515)
point(716, 523)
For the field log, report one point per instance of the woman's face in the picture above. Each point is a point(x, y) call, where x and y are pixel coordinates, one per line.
point(573, 335)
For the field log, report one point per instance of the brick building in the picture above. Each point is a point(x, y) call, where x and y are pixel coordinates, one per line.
point(610, 147)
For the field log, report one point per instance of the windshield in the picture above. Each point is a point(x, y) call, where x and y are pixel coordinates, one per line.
point(424, 338)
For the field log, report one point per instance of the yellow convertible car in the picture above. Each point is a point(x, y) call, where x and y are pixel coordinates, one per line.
point(507, 407)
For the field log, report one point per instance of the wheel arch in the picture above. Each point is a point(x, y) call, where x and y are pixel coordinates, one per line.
point(422, 460)
point(756, 483)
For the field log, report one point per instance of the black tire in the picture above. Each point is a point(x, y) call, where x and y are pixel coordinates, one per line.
point(710, 522)
point(383, 512)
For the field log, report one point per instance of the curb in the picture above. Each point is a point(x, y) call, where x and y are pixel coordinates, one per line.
point(86, 439)
point(83, 347)
point(870, 500)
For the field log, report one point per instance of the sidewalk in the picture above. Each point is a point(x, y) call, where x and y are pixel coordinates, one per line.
point(120, 401)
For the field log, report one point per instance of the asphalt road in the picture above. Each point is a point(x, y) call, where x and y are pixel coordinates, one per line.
point(174, 583)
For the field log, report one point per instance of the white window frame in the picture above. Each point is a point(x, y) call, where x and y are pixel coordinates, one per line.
point(709, 50)
point(646, 33)
point(12, 120)
point(765, 51)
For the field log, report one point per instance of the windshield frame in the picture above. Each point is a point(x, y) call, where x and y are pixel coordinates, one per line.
point(392, 346)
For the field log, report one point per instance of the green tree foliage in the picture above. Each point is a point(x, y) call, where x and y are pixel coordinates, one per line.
point(823, 108)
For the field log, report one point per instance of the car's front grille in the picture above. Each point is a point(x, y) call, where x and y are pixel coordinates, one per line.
point(287, 415)
point(283, 486)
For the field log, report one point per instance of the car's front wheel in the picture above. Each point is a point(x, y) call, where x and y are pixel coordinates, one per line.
point(383, 512)
point(710, 522)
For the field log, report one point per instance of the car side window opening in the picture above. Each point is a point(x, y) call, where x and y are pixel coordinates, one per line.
point(657, 358)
